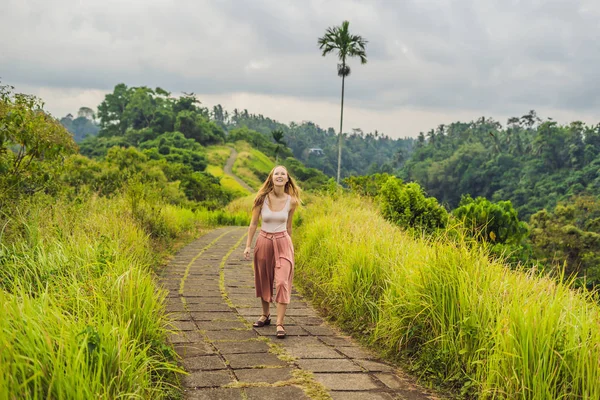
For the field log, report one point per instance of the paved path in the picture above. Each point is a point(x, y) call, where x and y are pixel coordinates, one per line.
point(212, 304)
point(229, 170)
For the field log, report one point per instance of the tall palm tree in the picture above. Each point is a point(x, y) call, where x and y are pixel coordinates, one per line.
point(278, 137)
point(339, 39)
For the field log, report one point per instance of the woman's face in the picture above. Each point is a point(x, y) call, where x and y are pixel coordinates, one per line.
point(280, 176)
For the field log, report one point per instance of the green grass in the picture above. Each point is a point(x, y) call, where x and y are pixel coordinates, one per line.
point(251, 165)
point(223, 217)
point(82, 315)
point(228, 182)
point(215, 171)
point(446, 310)
point(241, 205)
point(218, 155)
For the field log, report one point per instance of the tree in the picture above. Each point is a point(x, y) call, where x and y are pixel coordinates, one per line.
point(570, 236)
point(278, 137)
point(195, 126)
point(431, 136)
point(81, 126)
point(187, 102)
point(32, 146)
point(487, 221)
point(338, 38)
point(85, 112)
point(530, 119)
point(111, 111)
point(407, 206)
point(399, 157)
point(420, 140)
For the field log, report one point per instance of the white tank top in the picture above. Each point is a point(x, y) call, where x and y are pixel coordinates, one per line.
point(274, 221)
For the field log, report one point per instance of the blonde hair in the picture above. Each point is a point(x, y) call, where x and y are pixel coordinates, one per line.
point(290, 188)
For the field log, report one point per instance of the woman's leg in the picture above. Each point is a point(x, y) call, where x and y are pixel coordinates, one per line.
point(283, 285)
point(264, 262)
point(281, 308)
point(266, 307)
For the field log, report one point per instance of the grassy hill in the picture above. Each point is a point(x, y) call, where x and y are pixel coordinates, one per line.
point(217, 157)
point(251, 165)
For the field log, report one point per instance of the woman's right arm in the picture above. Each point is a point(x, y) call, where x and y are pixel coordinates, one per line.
point(251, 231)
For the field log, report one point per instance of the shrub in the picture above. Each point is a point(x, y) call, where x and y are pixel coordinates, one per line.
point(407, 206)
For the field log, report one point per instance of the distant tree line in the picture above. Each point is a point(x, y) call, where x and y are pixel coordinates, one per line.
point(364, 153)
point(81, 126)
point(533, 163)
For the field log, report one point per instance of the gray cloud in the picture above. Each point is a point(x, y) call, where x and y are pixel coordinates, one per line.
point(498, 55)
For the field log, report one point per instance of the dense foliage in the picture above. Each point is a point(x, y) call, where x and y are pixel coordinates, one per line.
point(131, 116)
point(172, 134)
point(495, 222)
point(140, 114)
point(533, 163)
point(32, 147)
point(407, 206)
point(569, 235)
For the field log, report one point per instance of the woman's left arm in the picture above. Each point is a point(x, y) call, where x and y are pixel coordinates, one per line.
point(291, 216)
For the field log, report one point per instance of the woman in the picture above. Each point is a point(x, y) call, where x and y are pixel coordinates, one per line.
point(275, 203)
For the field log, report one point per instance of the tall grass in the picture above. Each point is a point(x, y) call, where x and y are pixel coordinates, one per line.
point(223, 217)
point(82, 316)
point(458, 318)
point(241, 205)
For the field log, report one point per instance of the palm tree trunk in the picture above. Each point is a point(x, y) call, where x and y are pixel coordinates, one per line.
point(340, 135)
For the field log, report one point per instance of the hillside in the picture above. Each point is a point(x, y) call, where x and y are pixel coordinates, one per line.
point(178, 136)
point(364, 153)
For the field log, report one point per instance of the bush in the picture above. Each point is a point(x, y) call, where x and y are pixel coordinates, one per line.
point(367, 185)
point(406, 206)
point(487, 221)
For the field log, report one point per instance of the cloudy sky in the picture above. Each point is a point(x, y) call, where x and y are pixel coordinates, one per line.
point(430, 61)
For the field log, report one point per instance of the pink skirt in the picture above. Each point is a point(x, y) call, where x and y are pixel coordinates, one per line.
point(274, 262)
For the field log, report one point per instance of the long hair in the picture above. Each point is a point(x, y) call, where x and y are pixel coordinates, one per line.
point(290, 188)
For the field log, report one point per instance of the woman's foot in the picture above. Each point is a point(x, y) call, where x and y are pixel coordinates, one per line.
point(280, 332)
point(262, 321)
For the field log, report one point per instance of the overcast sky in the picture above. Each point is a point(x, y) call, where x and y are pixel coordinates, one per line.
point(430, 61)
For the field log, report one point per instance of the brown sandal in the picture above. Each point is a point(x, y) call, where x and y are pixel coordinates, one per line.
point(280, 333)
point(260, 323)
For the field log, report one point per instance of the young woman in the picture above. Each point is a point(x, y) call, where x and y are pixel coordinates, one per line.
point(275, 204)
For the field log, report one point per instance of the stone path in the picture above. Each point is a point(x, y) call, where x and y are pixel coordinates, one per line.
point(212, 304)
point(229, 170)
